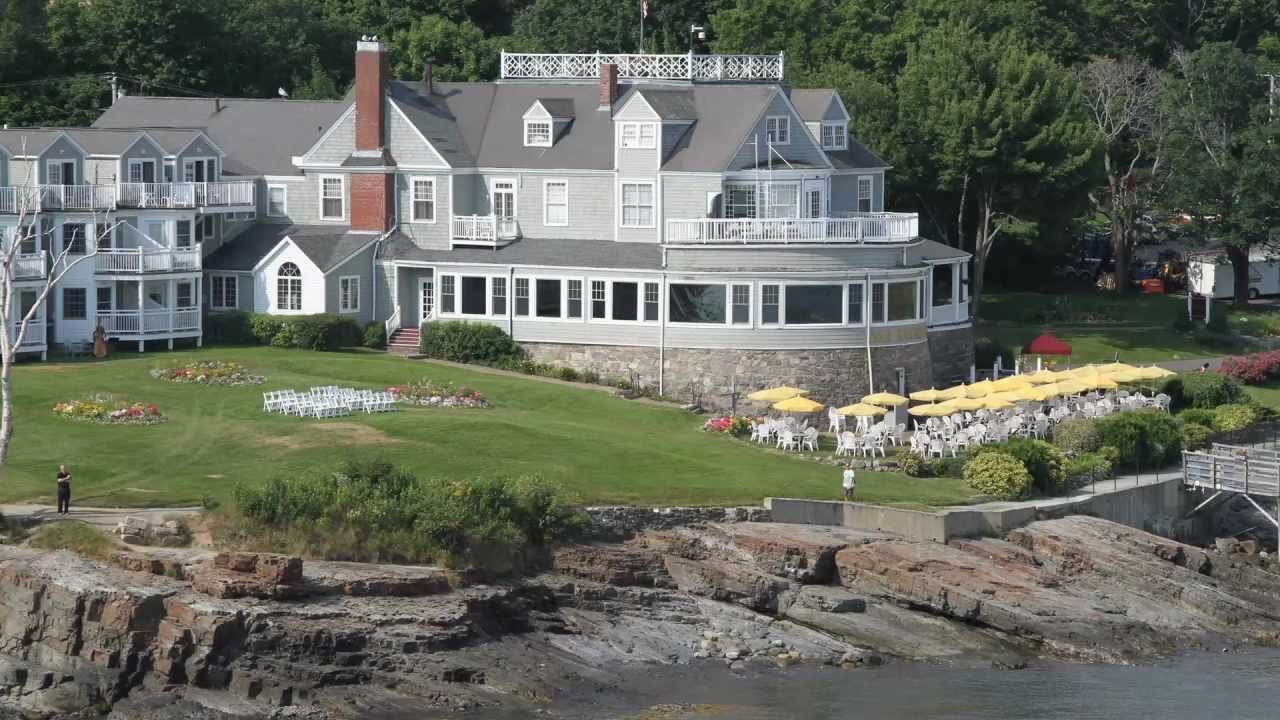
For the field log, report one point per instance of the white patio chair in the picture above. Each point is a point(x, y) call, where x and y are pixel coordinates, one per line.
point(1163, 401)
point(788, 440)
point(936, 448)
point(835, 420)
point(810, 439)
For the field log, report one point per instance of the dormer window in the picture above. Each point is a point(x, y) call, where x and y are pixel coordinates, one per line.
point(834, 136)
point(537, 133)
point(778, 130)
point(639, 135)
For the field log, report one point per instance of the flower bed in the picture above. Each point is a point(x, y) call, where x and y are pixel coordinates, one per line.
point(736, 426)
point(428, 394)
point(211, 372)
point(1253, 369)
point(106, 412)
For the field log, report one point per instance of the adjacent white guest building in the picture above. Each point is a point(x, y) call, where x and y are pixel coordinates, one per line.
point(685, 219)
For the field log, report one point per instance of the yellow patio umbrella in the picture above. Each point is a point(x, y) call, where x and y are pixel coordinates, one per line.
point(1115, 367)
point(777, 394)
point(1126, 376)
point(1102, 382)
point(1029, 394)
point(995, 402)
point(1155, 373)
point(884, 398)
point(798, 404)
point(932, 395)
point(1013, 382)
point(1044, 377)
point(964, 403)
point(861, 410)
point(1009, 396)
point(982, 388)
point(1084, 371)
point(952, 393)
point(1071, 387)
point(931, 410)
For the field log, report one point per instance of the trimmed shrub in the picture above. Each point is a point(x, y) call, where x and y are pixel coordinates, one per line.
point(1076, 436)
point(316, 332)
point(1252, 369)
point(265, 327)
point(986, 349)
point(229, 328)
point(469, 342)
point(1043, 461)
point(1197, 416)
point(1233, 417)
point(1207, 390)
point(997, 474)
point(1088, 466)
point(375, 335)
point(1143, 438)
point(1195, 436)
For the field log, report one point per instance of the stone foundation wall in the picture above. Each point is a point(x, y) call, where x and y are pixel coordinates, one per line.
point(952, 353)
point(831, 376)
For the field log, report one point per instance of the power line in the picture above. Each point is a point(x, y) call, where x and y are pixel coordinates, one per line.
point(142, 82)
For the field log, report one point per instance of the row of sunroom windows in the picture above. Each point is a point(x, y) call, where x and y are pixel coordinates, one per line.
point(743, 304)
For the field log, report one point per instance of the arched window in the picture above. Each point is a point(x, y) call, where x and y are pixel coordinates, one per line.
point(289, 287)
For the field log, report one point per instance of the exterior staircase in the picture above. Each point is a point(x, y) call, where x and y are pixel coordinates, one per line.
point(404, 342)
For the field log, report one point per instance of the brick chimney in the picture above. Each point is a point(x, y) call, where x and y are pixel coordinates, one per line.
point(608, 85)
point(371, 88)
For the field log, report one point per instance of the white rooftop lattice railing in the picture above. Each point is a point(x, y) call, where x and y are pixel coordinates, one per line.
point(562, 66)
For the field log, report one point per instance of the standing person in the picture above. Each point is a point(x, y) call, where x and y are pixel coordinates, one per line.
point(848, 482)
point(64, 490)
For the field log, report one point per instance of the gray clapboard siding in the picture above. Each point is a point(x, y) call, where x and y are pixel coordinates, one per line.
point(339, 145)
point(801, 147)
point(833, 258)
point(590, 207)
point(359, 265)
point(99, 171)
point(428, 235)
point(789, 338)
point(198, 149)
point(587, 332)
point(844, 192)
point(300, 200)
point(469, 195)
point(62, 149)
point(684, 197)
point(407, 146)
point(143, 149)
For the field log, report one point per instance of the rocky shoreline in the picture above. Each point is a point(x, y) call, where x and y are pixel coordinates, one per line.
point(165, 632)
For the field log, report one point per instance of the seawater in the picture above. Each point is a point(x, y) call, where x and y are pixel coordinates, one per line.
point(1203, 686)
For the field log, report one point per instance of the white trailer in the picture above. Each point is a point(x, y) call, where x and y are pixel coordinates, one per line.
point(1212, 276)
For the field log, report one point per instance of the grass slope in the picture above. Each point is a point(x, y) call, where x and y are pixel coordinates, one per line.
point(602, 449)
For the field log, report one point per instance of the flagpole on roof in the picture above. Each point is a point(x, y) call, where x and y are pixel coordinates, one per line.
point(643, 7)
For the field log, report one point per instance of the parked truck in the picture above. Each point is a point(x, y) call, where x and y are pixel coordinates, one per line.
point(1211, 274)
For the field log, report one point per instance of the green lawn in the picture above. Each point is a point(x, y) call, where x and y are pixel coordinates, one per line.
point(1268, 395)
point(601, 448)
point(1104, 344)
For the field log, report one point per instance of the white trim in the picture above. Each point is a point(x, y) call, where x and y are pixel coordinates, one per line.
point(208, 160)
point(843, 110)
point(373, 238)
point(639, 139)
point(64, 134)
point(399, 111)
point(347, 279)
point(817, 146)
point(841, 133)
point(60, 162)
point(857, 194)
point(200, 134)
point(457, 275)
point(413, 200)
point(141, 135)
point(515, 196)
point(302, 159)
point(545, 184)
point(285, 188)
point(320, 197)
point(290, 279)
point(551, 131)
point(609, 282)
point(622, 183)
point(529, 171)
point(224, 277)
point(157, 170)
point(769, 119)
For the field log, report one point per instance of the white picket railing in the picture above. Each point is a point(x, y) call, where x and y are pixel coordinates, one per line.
point(147, 260)
point(30, 266)
point(186, 194)
point(35, 337)
point(134, 323)
point(483, 229)
point(77, 197)
point(685, 66)
point(392, 324)
point(860, 228)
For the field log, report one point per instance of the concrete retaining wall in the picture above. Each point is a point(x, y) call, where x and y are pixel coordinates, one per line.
point(1138, 507)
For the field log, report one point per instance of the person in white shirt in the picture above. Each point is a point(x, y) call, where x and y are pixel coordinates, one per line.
point(848, 482)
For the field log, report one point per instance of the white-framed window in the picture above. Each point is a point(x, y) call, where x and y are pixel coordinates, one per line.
point(741, 310)
point(289, 287)
point(624, 301)
point(423, 207)
point(349, 294)
point(944, 276)
point(142, 170)
point(697, 303)
point(61, 172)
point(448, 294)
point(183, 296)
point(651, 297)
point(770, 304)
point(73, 238)
point(333, 197)
point(498, 296)
point(277, 200)
point(813, 304)
point(638, 205)
point(205, 229)
point(599, 300)
point(104, 299)
point(865, 185)
point(170, 170)
point(784, 200)
point(74, 303)
point(555, 203)
point(635, 135)
point(739, 200)
point(853, 314)
point(223, 290)
point(777, 129)
point(537, 133)
point(574, 309)
point(548, 298)
point(897, 301)
point(522, 297)
point(834, 136)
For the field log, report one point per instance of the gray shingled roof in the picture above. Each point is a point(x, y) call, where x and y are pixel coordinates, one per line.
point(671, 104)
point(558, 108)
point(933, 250)
point(555, 253)
point(856, 156)
point(325, 245)
point(434, 120)
point(812, 103)
point(726, 114)
point(29, 141)
point(260, 137)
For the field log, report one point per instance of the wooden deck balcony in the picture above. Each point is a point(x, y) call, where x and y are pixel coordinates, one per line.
point(35, 340)
point(30, 266)
point(144, 260)
point(856, 228)
point(187, 195)
point(76, 198)
point(483, 231)
point(150, 324)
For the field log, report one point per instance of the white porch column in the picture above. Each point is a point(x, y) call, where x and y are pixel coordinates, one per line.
point(171, 302)
point(197, 298)
point(141, 318)
point(955, 285)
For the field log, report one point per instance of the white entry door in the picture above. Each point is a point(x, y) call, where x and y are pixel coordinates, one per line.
point(504, 206)
point(815, 205)
point(426, 299)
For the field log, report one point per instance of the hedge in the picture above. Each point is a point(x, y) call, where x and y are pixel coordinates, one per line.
point(1044, 462)
point(1202, 390)
point(468, 342)
point(1144, 438)
point(1076, 436)
point(309, 332)
point(997, 474)
point(1233, 417)
point(228, 328)
point(375, 335)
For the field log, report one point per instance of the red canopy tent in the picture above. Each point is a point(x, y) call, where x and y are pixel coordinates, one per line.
point(1047, 344)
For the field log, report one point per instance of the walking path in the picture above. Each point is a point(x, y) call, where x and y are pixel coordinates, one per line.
point(1108, 486)
point(99, 517)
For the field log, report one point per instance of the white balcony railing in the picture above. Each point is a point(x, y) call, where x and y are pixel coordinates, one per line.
point(644, 66)
point(488, 230)
point(862, 228)
point(35, 337)
point(30, 266)
point(187, 194)
point(135, 323)
point(80, 198)
point(147, 260)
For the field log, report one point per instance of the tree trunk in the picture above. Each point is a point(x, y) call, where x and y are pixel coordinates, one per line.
point(1239, 258)
point(6, 407)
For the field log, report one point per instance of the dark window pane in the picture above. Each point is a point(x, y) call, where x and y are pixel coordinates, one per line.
point(624, 301)
point(697, 303)
point(855, 303)
point(473, 296)
point(549, 298)
point(814, 304)
point(902, 301)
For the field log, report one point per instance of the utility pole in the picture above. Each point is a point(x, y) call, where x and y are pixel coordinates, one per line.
point(115, 87)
